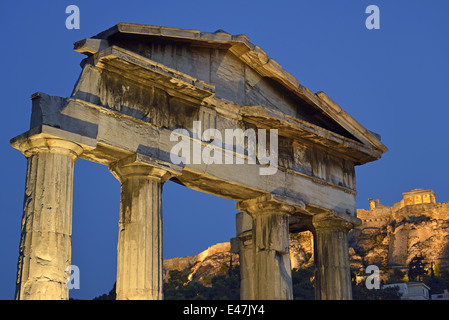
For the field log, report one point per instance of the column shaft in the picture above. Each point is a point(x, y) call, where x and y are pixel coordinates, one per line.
point(139, 250)
point(270, 244)
point(333, 278)
point(243, 245)
point(45, 245)
point(246, 258)
point(139, 264)
point(271, 255)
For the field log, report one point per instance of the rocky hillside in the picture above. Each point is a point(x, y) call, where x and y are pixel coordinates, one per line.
point(388, 236)
point(395, 235)
point(208, 263)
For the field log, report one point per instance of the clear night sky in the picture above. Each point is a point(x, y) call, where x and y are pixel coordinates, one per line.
point(394, 81)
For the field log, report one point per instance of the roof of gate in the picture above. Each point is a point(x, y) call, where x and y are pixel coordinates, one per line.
point(254, 57)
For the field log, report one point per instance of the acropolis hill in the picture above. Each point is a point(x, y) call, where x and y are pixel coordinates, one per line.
point(416, 225)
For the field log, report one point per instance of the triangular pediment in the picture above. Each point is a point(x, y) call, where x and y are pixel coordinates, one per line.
point(238, 71)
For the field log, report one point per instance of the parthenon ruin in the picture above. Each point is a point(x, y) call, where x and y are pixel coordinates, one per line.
point(144, 90)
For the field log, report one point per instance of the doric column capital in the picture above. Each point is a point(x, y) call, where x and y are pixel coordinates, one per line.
point(40, 143)
point(143, 167)
point(266, 204)
point(328, 221)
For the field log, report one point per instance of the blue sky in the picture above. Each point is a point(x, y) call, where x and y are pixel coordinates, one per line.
point(393, 81)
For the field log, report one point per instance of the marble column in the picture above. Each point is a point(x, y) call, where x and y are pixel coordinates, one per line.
point(243, 245)
point(139, 250)
point(45, 244)
point(332, 269)
point(270, 263)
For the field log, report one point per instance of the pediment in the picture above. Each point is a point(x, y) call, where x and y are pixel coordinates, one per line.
point(230, 67)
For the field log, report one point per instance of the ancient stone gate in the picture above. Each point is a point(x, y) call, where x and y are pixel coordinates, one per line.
point(153, 104)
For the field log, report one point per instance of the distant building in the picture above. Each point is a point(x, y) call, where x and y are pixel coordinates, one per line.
point(441, 296)
point(374, 203)
point(418, 196)
point(411, 290)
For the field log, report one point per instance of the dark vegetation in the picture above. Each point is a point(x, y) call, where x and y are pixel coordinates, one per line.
point(226, 284)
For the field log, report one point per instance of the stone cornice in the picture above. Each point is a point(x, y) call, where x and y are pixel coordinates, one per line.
point(144, 70)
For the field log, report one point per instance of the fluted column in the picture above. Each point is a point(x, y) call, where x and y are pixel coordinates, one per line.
point(139, 250)
point(332, 269)
point(45, 245)
point(243, 245)
point(270, 242)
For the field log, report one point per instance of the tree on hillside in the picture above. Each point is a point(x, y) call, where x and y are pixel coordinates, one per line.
point(416, 269)
point(303, 284)
point(110, 296)
point(438, 282)
point(361, 292)
point(225, 286)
